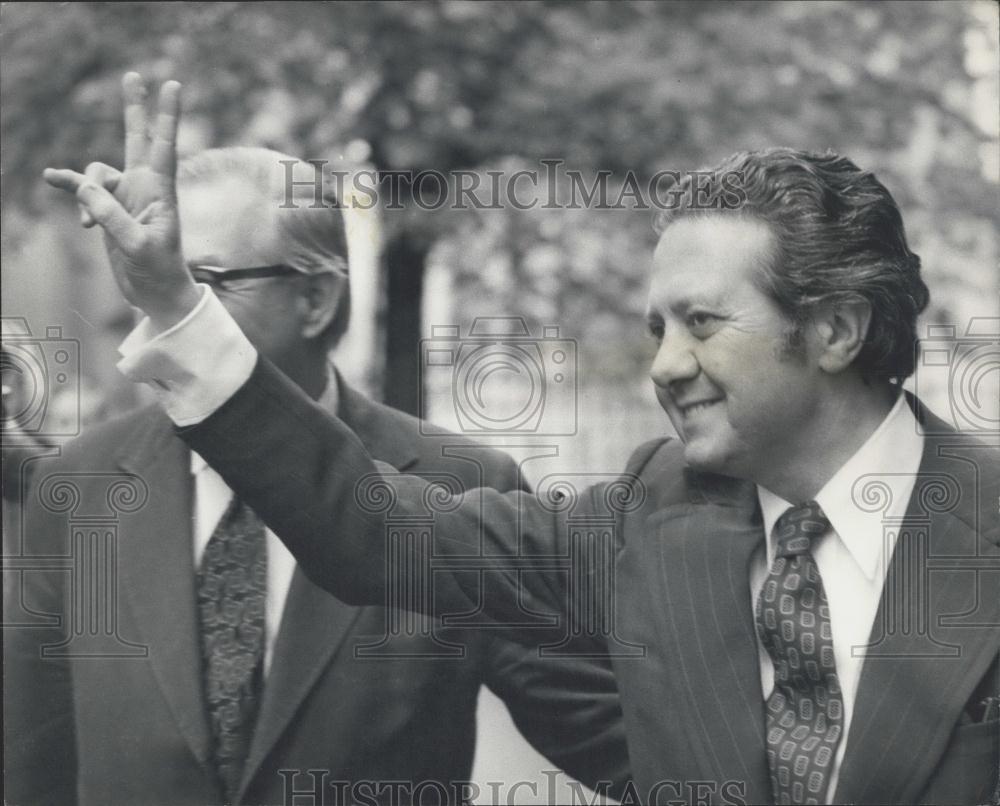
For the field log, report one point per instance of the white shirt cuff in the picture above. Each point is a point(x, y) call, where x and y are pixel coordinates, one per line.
point(196, 365)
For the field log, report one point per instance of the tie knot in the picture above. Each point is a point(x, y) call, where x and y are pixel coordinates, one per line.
point(797, 527)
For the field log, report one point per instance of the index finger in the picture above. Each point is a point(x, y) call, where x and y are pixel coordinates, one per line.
point(163, 153)
point(134, 92)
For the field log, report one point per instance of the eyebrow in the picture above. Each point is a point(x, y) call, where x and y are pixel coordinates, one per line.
point(682, 304)
point(677, 306)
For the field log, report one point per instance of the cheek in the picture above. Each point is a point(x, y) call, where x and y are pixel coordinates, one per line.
point(746, 371)
point(244, 315)
point(727, 366)
point(743, 360)
point(772, 397)
point(235, 307)
point(260, 323)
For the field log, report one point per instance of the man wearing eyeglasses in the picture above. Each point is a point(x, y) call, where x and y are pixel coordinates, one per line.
point(256, 688)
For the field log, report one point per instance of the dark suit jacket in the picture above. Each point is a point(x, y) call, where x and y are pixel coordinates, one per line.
point(132, 729)
point(693, 705)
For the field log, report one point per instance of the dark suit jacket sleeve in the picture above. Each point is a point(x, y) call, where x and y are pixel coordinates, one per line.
point(568, 708)
point(311, 480)
point(39, 739)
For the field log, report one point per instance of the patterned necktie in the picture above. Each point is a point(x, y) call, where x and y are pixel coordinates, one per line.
point(805, 711)
point(232, 592)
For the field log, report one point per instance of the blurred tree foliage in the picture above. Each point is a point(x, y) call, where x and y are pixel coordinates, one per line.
point(630, 86)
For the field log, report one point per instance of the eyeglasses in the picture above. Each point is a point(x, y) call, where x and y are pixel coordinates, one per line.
point(218, 277)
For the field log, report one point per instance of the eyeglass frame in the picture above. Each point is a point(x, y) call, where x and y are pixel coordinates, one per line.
point(219, 275)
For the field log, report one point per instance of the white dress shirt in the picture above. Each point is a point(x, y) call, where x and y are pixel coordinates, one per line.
point(853, 556)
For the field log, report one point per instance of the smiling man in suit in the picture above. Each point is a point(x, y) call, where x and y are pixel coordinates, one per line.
point(813, 568)
point(252, 689)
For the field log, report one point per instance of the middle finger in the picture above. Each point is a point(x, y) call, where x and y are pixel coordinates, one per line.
point(134, 92)
point(163, 153)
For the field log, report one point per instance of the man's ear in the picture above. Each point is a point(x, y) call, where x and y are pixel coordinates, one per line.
point(840, 330)
point(320, 301)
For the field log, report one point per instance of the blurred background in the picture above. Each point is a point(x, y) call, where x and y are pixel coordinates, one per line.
point(907, 90)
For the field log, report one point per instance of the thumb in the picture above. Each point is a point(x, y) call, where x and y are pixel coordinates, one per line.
point(107, 211)
point(105, 176)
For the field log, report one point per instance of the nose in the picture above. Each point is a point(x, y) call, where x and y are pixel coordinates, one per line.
point(675, 361)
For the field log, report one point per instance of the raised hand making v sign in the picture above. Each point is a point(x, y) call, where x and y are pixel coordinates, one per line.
point(137, 208)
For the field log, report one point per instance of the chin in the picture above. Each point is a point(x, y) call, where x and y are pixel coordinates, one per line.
point(704, 457)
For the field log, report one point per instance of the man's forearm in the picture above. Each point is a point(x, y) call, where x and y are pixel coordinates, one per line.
point(312, 481)
point(295, 465)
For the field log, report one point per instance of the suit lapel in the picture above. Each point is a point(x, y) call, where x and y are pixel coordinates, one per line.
point(380, 429)
point(315, 624)
point(157, 572)
point(313, 628)
point(705, 550)
point(934, 634)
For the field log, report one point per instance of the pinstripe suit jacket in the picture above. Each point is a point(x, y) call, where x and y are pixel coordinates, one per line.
point(678, 622)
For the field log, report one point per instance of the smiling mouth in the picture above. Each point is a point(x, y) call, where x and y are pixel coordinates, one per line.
point(696, 408)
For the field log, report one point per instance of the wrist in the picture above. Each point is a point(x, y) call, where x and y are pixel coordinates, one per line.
point(170, 310)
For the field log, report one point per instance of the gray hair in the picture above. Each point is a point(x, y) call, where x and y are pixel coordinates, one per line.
point(306, 210)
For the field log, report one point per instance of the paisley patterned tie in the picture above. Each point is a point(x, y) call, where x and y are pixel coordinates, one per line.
point(232, 592)
point(805, 711)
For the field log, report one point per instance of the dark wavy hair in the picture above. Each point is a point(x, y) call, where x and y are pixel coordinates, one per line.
point(838, 236)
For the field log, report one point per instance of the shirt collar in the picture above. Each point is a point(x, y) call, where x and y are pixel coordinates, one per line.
point(892, 453)
point(329, 400)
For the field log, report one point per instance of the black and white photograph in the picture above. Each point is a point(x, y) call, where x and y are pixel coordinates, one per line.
point(448, 402)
